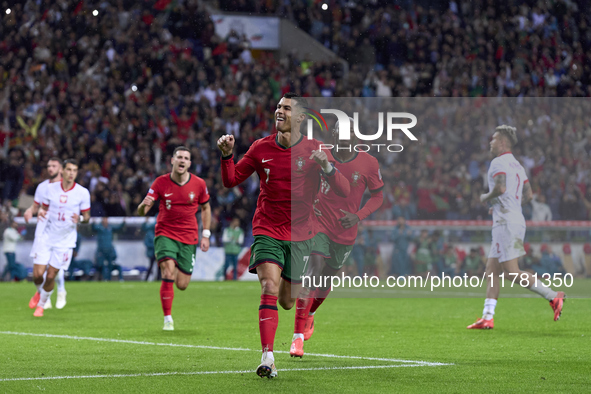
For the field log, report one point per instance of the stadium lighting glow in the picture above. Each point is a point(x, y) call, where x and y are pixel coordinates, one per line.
point(325, 6)
point(95, 12)
point(134, 88)
point(8, 11)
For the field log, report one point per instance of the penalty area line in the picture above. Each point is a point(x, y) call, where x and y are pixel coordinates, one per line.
point(391, 360)
point(134, 375)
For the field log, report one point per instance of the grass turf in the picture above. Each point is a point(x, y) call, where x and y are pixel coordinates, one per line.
point(526, 351)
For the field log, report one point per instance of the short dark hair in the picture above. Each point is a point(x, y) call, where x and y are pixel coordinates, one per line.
point(70, 161)
point(181, 149)
point(55, 158)
point(302, 102)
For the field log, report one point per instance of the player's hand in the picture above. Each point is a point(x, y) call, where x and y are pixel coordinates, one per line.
point(226, 144)
point(483, 197)
point(42, 214)
point(320, 157)
point(349, 220)
point(148, 202)
point(75, 218)
point(204, 244)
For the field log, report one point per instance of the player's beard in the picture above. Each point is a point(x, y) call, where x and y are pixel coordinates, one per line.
point(52, 177)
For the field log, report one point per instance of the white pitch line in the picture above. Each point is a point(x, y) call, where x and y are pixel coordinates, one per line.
point(207, 372)
point(417, 362)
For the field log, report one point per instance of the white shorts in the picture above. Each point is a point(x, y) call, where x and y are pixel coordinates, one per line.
point(507, 242)
point(59, 258)
point(37, 246)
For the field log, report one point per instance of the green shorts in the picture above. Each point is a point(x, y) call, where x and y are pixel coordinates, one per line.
point(182, 254)
point(292, 257)
point(335, 254)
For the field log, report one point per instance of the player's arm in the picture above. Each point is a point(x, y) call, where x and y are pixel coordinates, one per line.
point(42, 213)
point(335, 179)
point(373, 204)
point(85, 216)
point(499, 188)
point(527, 194)
point(149, 200)
point(31, 211)
point(206, 220)
point(84, 207)
point(234, 174)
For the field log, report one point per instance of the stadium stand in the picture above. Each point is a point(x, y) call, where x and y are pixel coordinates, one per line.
point(119, 90)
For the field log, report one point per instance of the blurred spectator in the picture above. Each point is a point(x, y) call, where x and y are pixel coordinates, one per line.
point(149, 227)
point(549, 262)
point(473, 264)
point(105, 251)
point(233, 238)
point(449, 264)
point(423, 257)
point(541, 210)
point(401, 236)
point(77, 264)
point(10, 238)
point(13, 175)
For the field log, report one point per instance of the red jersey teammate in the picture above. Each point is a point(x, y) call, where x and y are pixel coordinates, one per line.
point(289, 167)
point(177, 235)
point(337, 230)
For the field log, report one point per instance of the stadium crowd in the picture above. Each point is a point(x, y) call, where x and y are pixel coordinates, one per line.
point(119, 86)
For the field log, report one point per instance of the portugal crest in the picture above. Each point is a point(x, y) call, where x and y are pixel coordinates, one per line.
point(300, 162)
point(355, 178)
point(192, 196)
point(64, 198)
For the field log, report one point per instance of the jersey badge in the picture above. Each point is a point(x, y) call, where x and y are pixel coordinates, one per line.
point(355, 177)
point(192, 196)
point(63, 198)
point(300, 162)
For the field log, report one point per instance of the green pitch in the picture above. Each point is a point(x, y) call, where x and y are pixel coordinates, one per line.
point(109, 338)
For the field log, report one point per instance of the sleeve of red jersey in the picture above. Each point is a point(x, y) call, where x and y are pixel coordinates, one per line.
point(235, 174)
point(154, 191)
point(204, 196)
point(338, 182)
point(85, 203)
point(375, 184)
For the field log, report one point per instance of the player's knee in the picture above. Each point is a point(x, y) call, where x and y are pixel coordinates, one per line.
point(269, 287)
point(182, 286)
point(287, 302)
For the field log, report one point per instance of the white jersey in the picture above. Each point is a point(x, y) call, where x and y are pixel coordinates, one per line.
point(60, 231)
point(39, 195)
point(507, 207)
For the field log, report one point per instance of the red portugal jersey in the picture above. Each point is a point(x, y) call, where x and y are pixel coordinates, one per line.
point(178, 207)
point(289, 182)
point(363, 172)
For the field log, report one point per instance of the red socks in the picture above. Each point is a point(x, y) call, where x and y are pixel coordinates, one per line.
point(319, 297)
point(268, 320)
point(167, 295)
point(301, 314)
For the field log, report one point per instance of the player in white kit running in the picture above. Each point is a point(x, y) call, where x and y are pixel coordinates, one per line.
point(509, 188)
point(61, 206)
point(54, 170)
